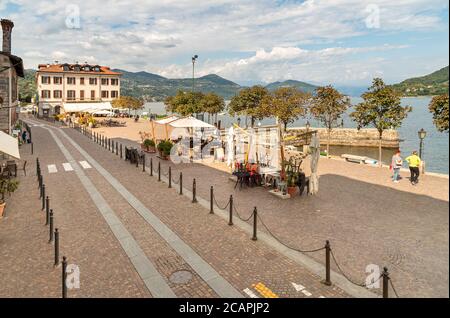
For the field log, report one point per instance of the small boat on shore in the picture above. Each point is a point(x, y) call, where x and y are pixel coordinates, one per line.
point(359, 159)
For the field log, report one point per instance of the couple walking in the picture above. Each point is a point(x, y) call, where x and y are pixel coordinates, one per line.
point(413, 162)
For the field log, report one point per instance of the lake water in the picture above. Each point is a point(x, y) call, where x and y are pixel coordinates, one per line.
point(435, 151)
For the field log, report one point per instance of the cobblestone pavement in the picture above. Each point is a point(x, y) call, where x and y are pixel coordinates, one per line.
point(367, 218)
point(252, 267)
point(26, 257)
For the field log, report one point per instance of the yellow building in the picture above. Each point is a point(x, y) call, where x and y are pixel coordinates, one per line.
point(68, 88)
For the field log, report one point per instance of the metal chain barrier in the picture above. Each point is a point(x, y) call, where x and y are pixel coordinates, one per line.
point(284, 244)
point(393, 288)
point(217, 204)
point(239, 216)
point(176, 181)
point(346, 277)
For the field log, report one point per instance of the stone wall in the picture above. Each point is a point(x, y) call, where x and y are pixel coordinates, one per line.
point(353, 137)
point(4, 93)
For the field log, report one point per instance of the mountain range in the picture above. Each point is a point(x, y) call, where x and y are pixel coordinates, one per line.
point(157, 88)
point(154, 87)
point(435, 83)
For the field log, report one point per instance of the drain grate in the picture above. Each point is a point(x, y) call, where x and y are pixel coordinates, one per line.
point(180, 277)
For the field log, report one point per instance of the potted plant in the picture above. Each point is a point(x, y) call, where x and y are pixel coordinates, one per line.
point(164, 148)
point(6, 186)
point(149, 145)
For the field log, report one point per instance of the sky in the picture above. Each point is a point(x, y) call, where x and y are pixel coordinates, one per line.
point(338, 42)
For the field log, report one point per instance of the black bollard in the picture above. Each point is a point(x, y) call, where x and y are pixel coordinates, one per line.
point(32, 150)
point(327, 264)
point(56, 247)
point(170, 177)
point(51, 227)
point(47, 209)
point(181, 183)
point(117, 148)
point(109, 144)
point(151, 167)
point(211, 200)
point(194, 191)
point(386, 278)
point(159, 170)
point(43, 197)
point(64, 277)
point(143, 163)
point(230, 221)
point(255, 221)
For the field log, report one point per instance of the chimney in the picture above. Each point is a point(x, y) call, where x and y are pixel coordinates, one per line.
point(7, 26)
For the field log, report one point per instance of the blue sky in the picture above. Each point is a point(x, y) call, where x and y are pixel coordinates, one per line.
point(341, 42)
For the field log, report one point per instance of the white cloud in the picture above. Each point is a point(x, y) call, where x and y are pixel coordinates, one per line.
point(158, 36)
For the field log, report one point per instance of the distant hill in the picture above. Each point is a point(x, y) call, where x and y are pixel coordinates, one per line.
point(302, 86)
point(435, 83)
point(157, 88)
point(27, 86)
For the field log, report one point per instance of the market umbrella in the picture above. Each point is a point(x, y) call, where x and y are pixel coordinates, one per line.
point(9, 145)
point(314, 146)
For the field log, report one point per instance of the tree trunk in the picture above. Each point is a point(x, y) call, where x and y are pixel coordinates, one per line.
point(328, 142)
point(379, 149)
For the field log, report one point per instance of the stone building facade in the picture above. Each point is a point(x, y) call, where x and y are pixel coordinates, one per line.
point(11, 67)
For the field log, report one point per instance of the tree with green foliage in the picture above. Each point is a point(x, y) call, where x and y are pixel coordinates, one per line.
point(128, 102)
point(185, 103)
point(328, 106)
point(439, 108)
point(212, 104)
point(381, 109)
point(286, 104)
point(248, 102)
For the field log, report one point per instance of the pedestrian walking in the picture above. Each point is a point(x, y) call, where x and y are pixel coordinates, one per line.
point(414, 164)
point(24, 135)
point(396, 165)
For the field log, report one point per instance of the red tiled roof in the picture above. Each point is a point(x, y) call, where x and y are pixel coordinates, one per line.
point(58, 68)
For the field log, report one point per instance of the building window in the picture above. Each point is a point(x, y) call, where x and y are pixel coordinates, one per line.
point(105, 94)
point(45, 79)
point(70, 95)
point(114, 94)
point(77, 68)
point(57, 80)
point(105, 81)
point(114, 81)
point(57, 94)
point(81, 80)
point(92, 81)
point(45, 93)
point(71, 80)
point(66, 68)
point(92, 95)
point(81, 95)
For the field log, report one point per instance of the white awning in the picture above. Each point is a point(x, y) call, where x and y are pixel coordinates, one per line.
point(190, 122)
point(166, 120)
point(86, 107)
point(9, 145)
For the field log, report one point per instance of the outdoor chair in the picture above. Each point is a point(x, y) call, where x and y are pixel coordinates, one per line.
point(24, 168)
point(11, 165)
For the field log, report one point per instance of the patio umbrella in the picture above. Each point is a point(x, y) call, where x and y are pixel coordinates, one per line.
point(315, 155)
point(9, 145)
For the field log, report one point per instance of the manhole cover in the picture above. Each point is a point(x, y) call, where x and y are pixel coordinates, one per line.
point(180, 277)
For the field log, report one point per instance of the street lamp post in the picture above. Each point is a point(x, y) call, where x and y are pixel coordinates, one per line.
point(422, 134)
point(194, 58)
point(308, 125)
